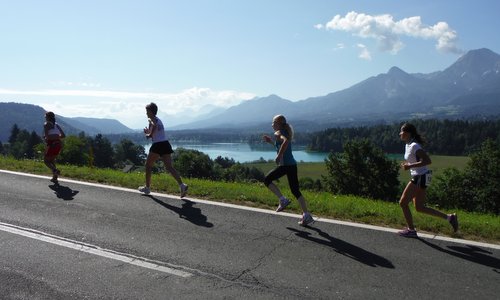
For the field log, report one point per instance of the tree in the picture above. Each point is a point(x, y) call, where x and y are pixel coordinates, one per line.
point(224, 162)
point(241, 173)
point(102, 152)
point(19, 147)
point(363, 170)
point(483, 171)
point(13, 134)
point(307, 183)
point(192, 163)
point(74, 151)
point(476, 187)
point(126, 150)
point(33, 140)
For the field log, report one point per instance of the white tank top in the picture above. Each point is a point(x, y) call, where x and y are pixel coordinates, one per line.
point(55, 130)
point(411, 157)
point(159, 134)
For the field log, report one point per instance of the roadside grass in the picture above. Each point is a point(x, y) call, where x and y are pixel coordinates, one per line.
point(473, 226)
point(314, 170)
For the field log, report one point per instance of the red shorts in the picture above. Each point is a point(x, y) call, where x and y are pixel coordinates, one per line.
point(53, 148)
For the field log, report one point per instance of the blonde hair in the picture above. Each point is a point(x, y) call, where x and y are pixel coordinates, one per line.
point(281, 121)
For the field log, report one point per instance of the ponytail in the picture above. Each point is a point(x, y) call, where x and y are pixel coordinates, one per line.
point(284, 125)
point(412, 130)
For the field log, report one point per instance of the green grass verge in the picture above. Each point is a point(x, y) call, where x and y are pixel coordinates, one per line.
point(473, 226)
point(314, 170)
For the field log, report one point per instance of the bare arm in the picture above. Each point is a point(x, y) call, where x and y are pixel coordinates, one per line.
point(151, 129)
point(267, 139)
point(62, 134)
point(46, 131)
point(283, 146)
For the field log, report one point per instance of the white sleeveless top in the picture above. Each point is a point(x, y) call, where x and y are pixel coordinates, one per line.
point(159, 134)
point(55, 130)
point(411, 157)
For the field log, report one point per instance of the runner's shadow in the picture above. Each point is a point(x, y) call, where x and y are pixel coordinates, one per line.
point(63, 192)
point(187, 211)
point(471, 253)
point(344, 248)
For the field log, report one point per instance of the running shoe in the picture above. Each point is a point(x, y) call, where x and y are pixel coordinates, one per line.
point(283, 204)
point(54, 180)
point(407, 232)
point(306, 220)
point(184, 190)
point(453, 219)
point(144, 189)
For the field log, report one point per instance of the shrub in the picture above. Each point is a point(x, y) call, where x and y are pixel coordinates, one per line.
point(474, 189)
point(362, 170)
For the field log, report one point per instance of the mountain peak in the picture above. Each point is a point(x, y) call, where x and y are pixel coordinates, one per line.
point(474, 68)
point(480, 58)
point(395, 71)
point(482, 52)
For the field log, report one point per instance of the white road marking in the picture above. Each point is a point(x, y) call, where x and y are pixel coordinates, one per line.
point(126, 258)
point(267, 211)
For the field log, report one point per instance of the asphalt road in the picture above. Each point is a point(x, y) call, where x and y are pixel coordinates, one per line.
point(79, 241)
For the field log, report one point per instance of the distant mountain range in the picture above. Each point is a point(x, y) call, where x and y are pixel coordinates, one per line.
point(468, 88)
point(31, 117)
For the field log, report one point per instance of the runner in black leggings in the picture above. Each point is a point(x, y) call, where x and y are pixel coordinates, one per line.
point(286, 166)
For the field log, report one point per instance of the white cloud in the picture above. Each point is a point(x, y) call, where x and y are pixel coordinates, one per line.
point(388, 32)
point(339, 46)
point(76, 84)
point(365, 54)
point(127, 107)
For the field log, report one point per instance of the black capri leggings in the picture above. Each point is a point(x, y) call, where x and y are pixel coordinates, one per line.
point(291, 174)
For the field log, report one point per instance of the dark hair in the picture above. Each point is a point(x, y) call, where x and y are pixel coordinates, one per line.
point(152, 107)
point(412, 130)
point(50, 117)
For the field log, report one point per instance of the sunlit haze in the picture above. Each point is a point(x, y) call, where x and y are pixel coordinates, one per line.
point(108, 59)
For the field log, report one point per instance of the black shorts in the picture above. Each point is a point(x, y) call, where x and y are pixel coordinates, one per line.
point(419, 180)
point(161, 148)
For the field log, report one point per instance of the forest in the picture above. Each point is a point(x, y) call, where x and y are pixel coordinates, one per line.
point(443, 137)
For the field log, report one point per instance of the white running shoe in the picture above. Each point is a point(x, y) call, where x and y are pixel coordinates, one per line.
point(184, 190)
point(144, 189)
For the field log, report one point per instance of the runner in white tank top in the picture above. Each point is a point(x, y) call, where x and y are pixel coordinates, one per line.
point(416, 160)
point(160, 148)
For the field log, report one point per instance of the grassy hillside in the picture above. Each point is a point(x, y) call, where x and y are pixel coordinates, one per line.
point(315, 170)
point(473, 226)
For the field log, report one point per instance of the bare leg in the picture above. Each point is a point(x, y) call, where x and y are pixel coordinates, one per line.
point(302, 202)
point(419, 202)
point(273, 188)
point(167, 160)
point(49, 162)
point(152, 158)
point(404, 201)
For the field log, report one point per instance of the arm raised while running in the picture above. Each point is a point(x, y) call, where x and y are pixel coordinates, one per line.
point(151, 129)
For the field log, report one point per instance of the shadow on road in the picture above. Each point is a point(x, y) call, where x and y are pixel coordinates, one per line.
point(63, 192)
point(344, 248)
point(187, 211)
point(471, 253)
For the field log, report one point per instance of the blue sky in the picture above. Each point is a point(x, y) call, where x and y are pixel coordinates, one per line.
point(108, 59)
